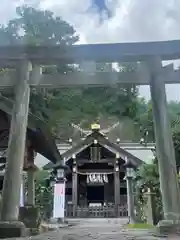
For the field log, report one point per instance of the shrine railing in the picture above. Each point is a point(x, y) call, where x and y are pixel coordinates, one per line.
point(110, 211)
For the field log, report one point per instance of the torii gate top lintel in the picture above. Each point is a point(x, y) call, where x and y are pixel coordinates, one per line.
point(110, 52)
point(140, 52)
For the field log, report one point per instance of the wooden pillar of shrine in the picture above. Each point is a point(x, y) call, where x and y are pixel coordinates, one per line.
point(74, 186)
point(116, 184)
point(106, 189)
point(31, 187)
point(31, 177)
point(30, 168)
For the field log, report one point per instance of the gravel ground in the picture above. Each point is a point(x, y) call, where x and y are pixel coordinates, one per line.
point(100, 229)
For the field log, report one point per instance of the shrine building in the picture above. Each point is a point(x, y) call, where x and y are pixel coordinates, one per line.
point(96, 184)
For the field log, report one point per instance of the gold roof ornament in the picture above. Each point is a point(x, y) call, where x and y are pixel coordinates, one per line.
point(95, 126)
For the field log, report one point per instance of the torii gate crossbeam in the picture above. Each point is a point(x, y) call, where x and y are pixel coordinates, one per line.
point(141, 76)
point(110, 52)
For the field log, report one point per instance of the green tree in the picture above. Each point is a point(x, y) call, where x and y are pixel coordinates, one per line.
point(145, 117)
point(148, 177)
point(41, 28)
point(61, 107)
point(43, 194)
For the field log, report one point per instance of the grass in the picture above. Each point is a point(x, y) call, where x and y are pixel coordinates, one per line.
point(140, 226)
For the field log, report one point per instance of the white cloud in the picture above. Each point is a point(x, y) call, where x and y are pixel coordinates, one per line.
point(132, 20)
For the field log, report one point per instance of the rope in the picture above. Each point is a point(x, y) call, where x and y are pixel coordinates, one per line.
point(87, 173)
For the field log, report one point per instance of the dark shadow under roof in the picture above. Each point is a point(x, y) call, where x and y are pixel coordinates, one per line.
point(38, 132)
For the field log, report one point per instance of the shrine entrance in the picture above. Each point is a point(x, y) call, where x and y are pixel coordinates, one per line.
point(95, 194)
point(96, 185)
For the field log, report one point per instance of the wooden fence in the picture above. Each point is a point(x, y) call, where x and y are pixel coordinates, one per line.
point(110, 211)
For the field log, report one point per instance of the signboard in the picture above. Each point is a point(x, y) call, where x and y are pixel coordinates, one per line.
point(59, 200)
point(22, 196)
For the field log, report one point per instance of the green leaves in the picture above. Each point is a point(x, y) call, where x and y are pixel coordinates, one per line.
point(44, 28)
point(60, 107)
point(43, 194)
point(148, 177)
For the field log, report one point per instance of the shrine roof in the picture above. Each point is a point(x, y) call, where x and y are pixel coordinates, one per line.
point(103, 141)
point(38, 133)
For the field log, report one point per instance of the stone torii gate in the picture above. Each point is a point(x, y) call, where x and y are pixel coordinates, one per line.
point(149, 72)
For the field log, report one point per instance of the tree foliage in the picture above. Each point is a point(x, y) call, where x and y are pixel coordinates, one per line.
point(147, 175)
point(61, 107)
point(148, 178)
point(43, 194)
point(145, 121)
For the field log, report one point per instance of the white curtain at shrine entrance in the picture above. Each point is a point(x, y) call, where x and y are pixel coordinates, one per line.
point(97, 178)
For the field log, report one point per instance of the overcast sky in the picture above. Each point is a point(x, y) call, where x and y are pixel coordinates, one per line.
point(104, 21)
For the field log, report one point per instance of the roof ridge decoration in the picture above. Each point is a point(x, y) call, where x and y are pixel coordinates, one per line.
point(95, 127)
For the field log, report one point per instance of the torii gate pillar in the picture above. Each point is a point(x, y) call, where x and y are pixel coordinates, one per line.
point(165, 150)
point(16, 146)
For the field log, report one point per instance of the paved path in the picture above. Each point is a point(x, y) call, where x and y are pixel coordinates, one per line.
point(100, 229)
